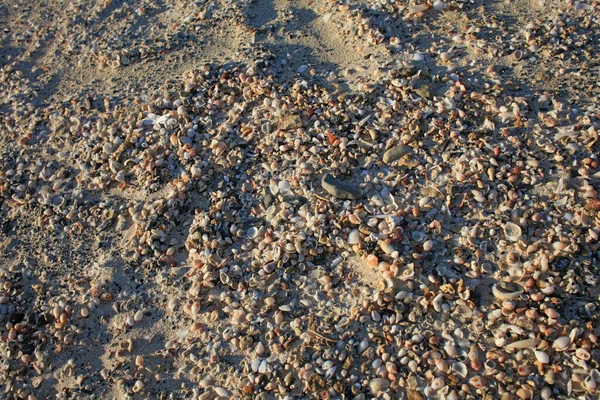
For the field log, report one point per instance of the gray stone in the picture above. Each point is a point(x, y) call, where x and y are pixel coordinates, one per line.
point(338, 189)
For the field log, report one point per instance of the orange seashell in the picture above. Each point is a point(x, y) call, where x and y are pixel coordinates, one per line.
point(372, 260)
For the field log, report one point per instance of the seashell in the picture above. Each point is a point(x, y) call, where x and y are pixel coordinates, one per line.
point(561, 343)
point(590, 384)
point(379, 385)
point(224, 278)
point(450, 350)
point(138, 316)
point(138, 386)
point(507, 291)
point(583, 354)
point(522, 344)
point(512, 231)
point(441, 364)
point(354, 237)
point(386, 247)
point(221, 392)
point(460, 369)
point(363, 345)
point(330, 372)
point(437, 383)
point(437, 302)
point(477, 382)
point(255, 364)
point(541, 356)
point(428, 245)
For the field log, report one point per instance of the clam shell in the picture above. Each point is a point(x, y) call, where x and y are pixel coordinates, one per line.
point(354, 237)
point(561, 343)
point(512, 231)
point(541, 356)
point(460, 369)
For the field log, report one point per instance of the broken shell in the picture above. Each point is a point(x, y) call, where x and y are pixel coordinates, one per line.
point(460, 369)
point(507, 291)
point(522, 344)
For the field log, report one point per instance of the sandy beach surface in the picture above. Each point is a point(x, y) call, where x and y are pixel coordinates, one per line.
point(296, 199)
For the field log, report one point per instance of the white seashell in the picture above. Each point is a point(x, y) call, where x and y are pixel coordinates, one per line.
point(138, 316)
point(437, 383)
point(437, 302)
point(138, 386)
point(450, 350)
point(512, 231)
point(460, 369)
point(363, 345)
point(583, 354)
point(260, 349)
point(222, 392)
point(354, 237)
point(379, 385)
point(255, 364)
point(386, 247)
point(441, 364)
point(327, 364)
point(284, 188)
point(428, 245)
point(542, 357)
point(561, 343)
point(262, 367)
point(330, 372)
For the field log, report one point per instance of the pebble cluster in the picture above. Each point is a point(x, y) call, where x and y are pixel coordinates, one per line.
point(431, 234)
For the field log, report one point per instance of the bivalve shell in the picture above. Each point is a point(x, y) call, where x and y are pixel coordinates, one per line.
point(512, 231)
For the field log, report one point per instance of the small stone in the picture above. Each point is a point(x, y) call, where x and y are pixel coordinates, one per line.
point(424, 91)
point(338, 189)
point(395, 153)
point(414, 395)
point(438, 5)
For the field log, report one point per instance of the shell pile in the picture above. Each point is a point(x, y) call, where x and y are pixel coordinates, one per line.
point(241, 233)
